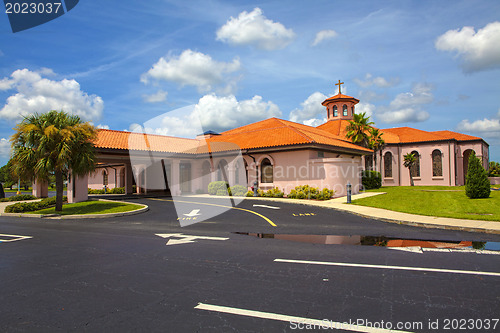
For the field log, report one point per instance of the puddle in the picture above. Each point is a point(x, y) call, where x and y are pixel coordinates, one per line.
point(381, 241)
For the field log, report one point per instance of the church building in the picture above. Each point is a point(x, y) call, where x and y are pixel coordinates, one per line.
point(275, 153)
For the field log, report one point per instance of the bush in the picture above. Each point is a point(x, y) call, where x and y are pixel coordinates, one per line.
point(273, 193)
point(238, 190)
point(19, 197)
point(22, 207)
point(117, 190)
point(477, 184)
point(91, 191)
point(223, 192)
point(249, 194)
point(214, 187)
point(371, 179)
point(308, 192)
point(494, 170)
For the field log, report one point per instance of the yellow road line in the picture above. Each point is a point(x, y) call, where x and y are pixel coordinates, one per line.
point(210, 204)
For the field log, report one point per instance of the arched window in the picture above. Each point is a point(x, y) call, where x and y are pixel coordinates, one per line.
point(344, 108)
point(335, 111)
point(388, 165)
point(266, 171)
point(104, 178)
point(437, 163)
point(222, 171)
point(415, 169)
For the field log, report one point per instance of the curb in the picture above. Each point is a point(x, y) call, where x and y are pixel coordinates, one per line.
point(144, 208)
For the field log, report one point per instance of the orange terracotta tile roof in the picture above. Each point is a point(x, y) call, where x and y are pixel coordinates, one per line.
point(335, 127)
point(274, 132)
point(340, 96)
point(456, 136)
point(150, 142)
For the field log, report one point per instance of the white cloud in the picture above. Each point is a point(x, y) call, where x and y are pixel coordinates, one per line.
point(192, 68)
point(4, 147)
point(378, 81)
point(159, 96)
point(407, 107)
point(367, 108)
point(478, 50)
point(485, 127)
point(101, 126)
point(255, 29)
point(211, 113)
point(311, 108)
point(324, 35)
point(38, 94)
point(314, 122)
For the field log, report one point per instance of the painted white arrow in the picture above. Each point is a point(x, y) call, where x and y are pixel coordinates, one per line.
point(272, 207)
point(187, 238)
point(193, 213)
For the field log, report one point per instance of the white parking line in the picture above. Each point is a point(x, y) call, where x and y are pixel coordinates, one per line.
point(422, 269)
point(292, 319)
point(12, 238)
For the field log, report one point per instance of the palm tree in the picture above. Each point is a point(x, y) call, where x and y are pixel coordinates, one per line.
point(409, 162)
point(375, 142)
point(53, 143)
point(358, 128)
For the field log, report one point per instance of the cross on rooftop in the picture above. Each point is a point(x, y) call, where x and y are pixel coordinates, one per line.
point(339, 84)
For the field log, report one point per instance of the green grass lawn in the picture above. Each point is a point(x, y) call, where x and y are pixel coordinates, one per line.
point(440, 201)
point(90, 207)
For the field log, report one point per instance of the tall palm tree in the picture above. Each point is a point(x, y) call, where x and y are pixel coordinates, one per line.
point(375, 142)
point(409, 162)
point(357, 130)
point(53, 142)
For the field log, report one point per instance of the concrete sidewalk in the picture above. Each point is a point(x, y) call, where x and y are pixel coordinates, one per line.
point(392, 216)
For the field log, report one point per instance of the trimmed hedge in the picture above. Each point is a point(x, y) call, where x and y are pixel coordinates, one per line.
point(308, 192)
point(273, 193)
point(19, 197)
point(22, 207)
point(115, 190)
point(371, 179)
point(238, 190)
point(214, 187)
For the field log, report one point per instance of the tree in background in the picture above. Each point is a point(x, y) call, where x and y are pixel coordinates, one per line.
point(358, 129)
point(477, 184)
point(6, 175)
point(494, 170)
point(53, 142)
point(409, 162)
point(375, 142)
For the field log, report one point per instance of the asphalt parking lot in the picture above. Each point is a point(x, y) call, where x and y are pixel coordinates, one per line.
point(147, 273)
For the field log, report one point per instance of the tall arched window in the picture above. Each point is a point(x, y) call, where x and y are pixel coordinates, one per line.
point(104, 178)
point(388, 165)
point(335, 111)
point(266, 171)
point(222, 171)
point(415, 169)
point(437, 163)
point(344, 108)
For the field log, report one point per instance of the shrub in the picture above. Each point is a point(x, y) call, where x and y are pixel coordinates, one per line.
point(19, 197)
point(214, 187)
point(308, 192)
point(22, 207)
point(91, 191)
point(249, 194)
point(494, 170)
point(238, 190)
point(273, 193)
point(371, 179)
point(223, 192)
point(117, 190)
point(477, 184)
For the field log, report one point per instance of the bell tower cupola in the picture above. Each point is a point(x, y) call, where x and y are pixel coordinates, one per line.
point(340, 106)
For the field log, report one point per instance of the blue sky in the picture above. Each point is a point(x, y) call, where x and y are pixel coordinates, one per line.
point(431, 65)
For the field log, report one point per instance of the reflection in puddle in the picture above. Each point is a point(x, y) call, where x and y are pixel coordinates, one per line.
point(383, 241)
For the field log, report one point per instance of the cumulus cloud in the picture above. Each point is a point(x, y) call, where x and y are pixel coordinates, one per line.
point(253, 28)
point(478, 50)
point(38, 94)
point(407, 107)
point(378, 81)
point(367, 108)
point(217, 113)
point(324, 35)
point(310, 110)
point(101, 126)
point(485, 127)
point(192, 68)
point(159, 96)
point(4, 147)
